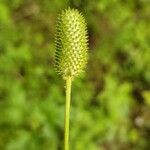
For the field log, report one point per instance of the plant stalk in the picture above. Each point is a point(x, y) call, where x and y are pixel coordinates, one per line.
point(67, 112)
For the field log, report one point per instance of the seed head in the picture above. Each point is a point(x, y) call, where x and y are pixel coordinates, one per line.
point(71, 43)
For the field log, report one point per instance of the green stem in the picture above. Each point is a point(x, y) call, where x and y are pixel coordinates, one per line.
point(67, 113)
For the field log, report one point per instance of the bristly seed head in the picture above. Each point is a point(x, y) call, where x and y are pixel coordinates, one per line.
point(71, 42)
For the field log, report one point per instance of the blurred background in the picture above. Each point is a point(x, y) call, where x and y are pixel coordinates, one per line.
point(110, 108)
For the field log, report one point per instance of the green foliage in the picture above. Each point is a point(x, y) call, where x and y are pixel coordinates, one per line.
point(110, 102)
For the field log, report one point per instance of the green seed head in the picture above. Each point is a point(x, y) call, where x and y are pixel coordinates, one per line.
point(71, 43)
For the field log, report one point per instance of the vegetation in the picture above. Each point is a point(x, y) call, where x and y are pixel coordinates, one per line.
point(70, 54)
point(110, 101)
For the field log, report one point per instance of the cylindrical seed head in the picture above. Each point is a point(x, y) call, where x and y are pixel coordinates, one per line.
point(71, 43)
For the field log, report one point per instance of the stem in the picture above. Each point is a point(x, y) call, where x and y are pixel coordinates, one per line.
point(67, 113)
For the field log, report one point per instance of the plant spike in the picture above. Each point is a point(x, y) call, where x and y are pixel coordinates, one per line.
point(71, 42)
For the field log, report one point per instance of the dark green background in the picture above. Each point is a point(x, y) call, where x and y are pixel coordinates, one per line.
point(110, 108)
